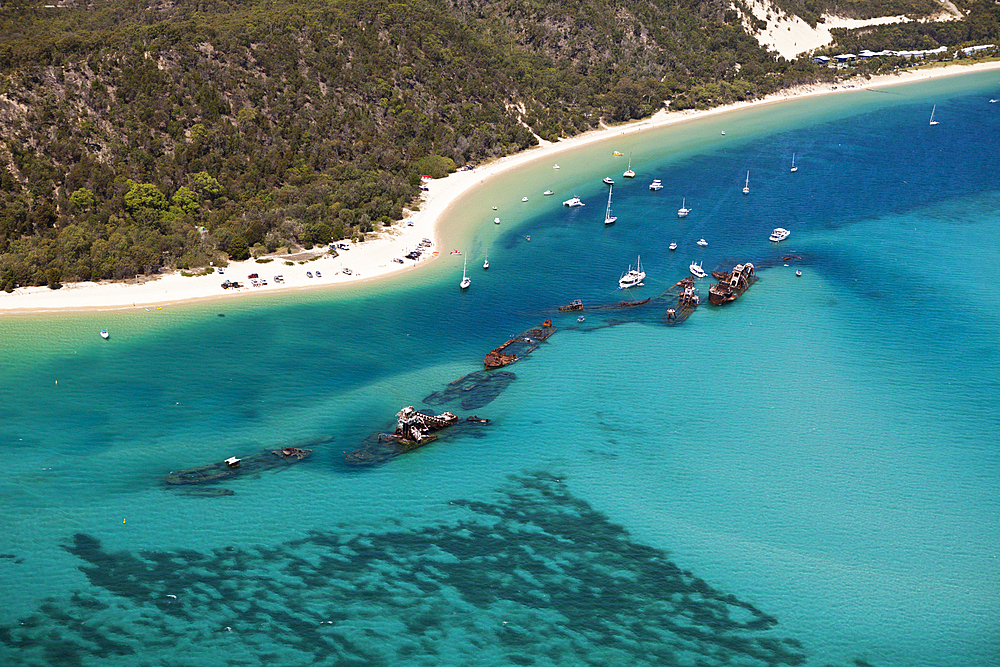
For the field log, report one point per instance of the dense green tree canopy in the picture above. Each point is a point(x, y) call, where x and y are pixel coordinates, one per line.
point(138, 136)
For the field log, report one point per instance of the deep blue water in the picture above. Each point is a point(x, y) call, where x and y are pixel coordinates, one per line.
point(806, 476)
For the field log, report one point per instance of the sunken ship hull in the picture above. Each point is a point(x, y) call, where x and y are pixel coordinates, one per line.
point(278, 458)
point(732, 285)
point(518, 346)
point(414, 429)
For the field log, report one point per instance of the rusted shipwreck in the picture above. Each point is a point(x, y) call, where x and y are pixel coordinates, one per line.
point(276, 458)
point(687, 301)
point(413, 429)
point(518, 346)
point(732, 284)
point(577, 304)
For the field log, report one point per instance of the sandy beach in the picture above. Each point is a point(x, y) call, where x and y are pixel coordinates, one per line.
point(374, 257)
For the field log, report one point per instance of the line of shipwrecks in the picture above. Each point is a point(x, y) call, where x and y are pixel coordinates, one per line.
point(416, 428)
point(731, 285)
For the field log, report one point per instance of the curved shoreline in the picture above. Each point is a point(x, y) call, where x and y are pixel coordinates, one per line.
point(374, 258)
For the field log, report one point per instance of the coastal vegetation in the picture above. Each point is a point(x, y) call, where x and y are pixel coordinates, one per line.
point(136, 137)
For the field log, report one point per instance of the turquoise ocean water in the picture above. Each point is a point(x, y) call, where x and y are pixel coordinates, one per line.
point(807, 476)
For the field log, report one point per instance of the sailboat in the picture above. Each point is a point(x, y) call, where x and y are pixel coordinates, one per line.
point(608, 218)
point(632, 277)
point(933, 109)
point(486, 262)
point(794, 168)
point(746, 188)
point(466, 281)
point(628, 172)
point(683, 210)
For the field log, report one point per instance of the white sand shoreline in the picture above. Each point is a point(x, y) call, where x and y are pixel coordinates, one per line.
point(373, 258)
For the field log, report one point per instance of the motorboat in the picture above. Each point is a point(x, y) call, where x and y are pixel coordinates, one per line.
point(608, 218)
point(656, 185)
point(524, 199)
point(702, 242)
point(696, 270)
point(548, 192)
point(608, 180)
point(746, 188)
point(496, 221)
point(628, 172)
point(555, 166)
point(632, 277)
point(673, 245)
point(573, 201)
point(105, 334)
point(723, 133)
point(619, 153)
point(797, 272)
point(779, 234)
point(466, 280)
point(683, 211)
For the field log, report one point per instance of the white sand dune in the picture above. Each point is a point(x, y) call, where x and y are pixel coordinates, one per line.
point(790, 36)
point(373, 258)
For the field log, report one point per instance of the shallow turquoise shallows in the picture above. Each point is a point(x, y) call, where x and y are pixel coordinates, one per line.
point(806, 476)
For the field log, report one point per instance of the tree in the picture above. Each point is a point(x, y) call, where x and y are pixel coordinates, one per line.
point(83, 199)
point(186, 199)
point(238, 248)
point(144, 197)
point(206, 184)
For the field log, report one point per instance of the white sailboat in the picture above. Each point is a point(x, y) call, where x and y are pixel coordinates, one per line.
point(608, 218)
point(628, 172)
point(486, 262)
point(746, 188)
point(794, 168)
point(466, 281)
point(933, 109)
point(683, 210)
point(632, 277)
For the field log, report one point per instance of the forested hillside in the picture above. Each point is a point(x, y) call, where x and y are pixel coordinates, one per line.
point(140, 135)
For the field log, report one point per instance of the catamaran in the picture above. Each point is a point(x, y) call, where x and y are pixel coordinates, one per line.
point(608, 218)
point(466, 280)
point(628, 172)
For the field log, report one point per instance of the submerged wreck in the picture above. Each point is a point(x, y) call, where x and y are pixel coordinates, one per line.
point(577, 304)
point(518, 346)
point(731, 285)
point(277, 458)
point(475, 390)
point(413, 429)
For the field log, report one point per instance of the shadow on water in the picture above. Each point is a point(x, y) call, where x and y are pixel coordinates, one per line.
point(536, 576)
